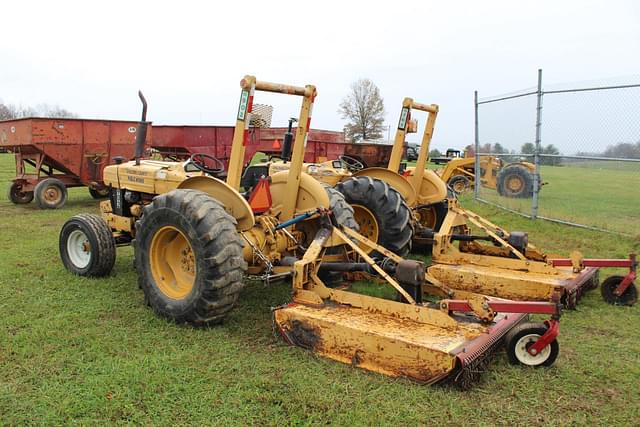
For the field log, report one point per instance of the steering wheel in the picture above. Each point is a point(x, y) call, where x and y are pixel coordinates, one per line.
point(199, 160)
point(353, 165)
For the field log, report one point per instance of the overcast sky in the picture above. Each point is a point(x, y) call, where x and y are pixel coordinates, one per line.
point(188, 57)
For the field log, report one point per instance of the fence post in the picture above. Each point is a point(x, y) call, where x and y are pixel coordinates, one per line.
point(536, 154)
point(476, 179)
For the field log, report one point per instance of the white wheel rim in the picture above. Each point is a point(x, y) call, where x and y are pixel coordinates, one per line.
point(525, 357)
point(79, 249)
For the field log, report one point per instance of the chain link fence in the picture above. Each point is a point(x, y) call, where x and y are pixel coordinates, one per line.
point(568, 153)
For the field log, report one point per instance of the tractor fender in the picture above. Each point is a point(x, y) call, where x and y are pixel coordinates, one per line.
point(528, 165)
point(233, 202)
point(432, 189)
point(395, 180)
point(311, 193)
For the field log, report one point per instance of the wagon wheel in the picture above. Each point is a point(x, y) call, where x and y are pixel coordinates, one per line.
point(50, 193)
point(19, 197)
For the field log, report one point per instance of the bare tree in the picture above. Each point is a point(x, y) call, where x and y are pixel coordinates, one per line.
point(364, 108)
point(10, 111)
point(5, 112)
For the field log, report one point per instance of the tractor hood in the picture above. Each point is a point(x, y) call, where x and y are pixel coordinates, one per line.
point(150, 176)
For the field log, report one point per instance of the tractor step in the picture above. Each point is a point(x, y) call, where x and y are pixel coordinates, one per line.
point(565, 286)
point(390, 345)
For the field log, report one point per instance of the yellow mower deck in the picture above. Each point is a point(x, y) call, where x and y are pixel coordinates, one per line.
point(391, 345)
point(502, 269)
point(514, 284)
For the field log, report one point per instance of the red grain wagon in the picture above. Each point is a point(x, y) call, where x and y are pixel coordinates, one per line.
point(54, 154)
point(180, 142)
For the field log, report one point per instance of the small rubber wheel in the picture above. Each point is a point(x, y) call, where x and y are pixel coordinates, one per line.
point(189, 258)
point(99, 194)
point(87, 247)
point(608, 287)
point(19, 197)
point(523, 336)
point(50, 193)
point(459, 184)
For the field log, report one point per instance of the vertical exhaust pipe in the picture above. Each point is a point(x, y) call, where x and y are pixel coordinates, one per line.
point(287, 141)
point(141, 133)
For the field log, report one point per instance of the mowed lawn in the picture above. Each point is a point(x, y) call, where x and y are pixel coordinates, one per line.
point(75, 350)
point(601, 194)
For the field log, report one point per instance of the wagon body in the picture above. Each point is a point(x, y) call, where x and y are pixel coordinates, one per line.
point(180, 142)
point(75, 151)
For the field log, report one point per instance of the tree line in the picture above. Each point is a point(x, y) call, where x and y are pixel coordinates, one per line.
point(11, 111)
point(621, 150)
point(526, 153)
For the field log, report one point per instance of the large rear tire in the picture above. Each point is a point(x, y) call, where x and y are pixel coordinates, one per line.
point(342, 210)
point(189, 258)
point(380, 211)
point(515, 181)
point(87, 247)
point(50, 193)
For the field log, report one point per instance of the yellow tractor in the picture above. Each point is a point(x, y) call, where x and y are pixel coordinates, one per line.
point(469, 252)
point(391, 209)
point(195, 237)
point(511, 180)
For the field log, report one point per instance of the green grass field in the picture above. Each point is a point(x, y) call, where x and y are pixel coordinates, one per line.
point(607, 198)
point(74, 350)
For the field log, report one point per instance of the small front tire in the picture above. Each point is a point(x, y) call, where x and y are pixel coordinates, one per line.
point(87, 247)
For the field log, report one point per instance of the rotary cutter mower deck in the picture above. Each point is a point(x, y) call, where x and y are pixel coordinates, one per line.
point(471, 254)
point(195, 237)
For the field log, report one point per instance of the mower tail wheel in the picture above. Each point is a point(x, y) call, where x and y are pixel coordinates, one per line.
point(520, 338)
point(99, 194)
point(50, 193)
point(189, 258)
point(610, 284)
point(87, 247)
point(19, 197)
